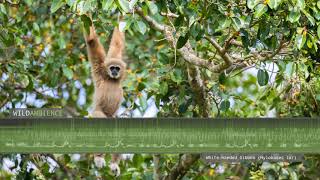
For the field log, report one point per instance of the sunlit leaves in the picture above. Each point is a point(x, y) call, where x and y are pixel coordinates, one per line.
point(263, 77)
point(294, 15)
point(141, 26)
point(301, 38)
point(252, 3)
point(153, 7)
point(3, 9)
point(310, 18)
point(318, 31)
point(260, 10)
point(123, 5)
point(300, 4)
point(107, 4)
point(56, 4)
point(273, 4)
point(67, 72)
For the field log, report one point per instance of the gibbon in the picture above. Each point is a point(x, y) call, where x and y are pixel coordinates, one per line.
point(108, 71)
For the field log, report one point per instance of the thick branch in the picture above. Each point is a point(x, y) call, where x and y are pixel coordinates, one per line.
point(181, 168)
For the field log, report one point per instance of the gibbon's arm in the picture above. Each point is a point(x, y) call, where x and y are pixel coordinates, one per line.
point(117, 44)
point(96, 52)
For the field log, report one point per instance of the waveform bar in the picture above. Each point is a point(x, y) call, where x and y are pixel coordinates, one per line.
point(159, 135)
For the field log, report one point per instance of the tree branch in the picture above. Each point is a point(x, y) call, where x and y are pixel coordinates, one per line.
point(221, 51)
point(156, 168)
point(186, 51)
point(181, 168)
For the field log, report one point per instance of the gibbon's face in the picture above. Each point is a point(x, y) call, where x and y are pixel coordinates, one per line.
point(114, 71)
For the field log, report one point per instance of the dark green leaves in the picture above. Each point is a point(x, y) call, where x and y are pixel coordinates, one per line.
point(86, 22)
point(182, 41)
point(225, 105)
point(56, 4)
point(7, 39)
point(263, 77)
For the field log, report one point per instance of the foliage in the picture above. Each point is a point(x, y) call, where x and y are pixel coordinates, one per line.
point(273, 45)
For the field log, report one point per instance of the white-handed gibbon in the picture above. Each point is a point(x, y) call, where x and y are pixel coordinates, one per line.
point(108, 71)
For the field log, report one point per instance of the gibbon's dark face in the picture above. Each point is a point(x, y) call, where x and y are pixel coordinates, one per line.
point(114, 71)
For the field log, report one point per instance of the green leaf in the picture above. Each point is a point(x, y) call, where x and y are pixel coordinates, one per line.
point(153, 7)
point(36, 27)
point(3, 9)
point(7, 38)
point(245, 39)
point(294, 16)
point(301, 40)
point(141, 26)
point(318, 4)
point(310, 18)
point(300, 4)
point(124, 5)
point(318, 31)
point(163, 89)
point(132, 3)
point(225, 105)
point(56, 4)
point(252, 3)
point(273, 4)
point(263, 77)
point(86, 22)
point(260, 10)
point(70, 2)
point(67, 72)
point(182, 41)
point(106, 4)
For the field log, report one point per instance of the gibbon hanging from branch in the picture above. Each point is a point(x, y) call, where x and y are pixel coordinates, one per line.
point(108, 71)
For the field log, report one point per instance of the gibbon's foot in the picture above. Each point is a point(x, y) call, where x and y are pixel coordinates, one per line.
point(115, 169)
point(99, 161)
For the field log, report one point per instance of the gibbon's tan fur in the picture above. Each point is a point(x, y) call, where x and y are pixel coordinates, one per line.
point(108, 71)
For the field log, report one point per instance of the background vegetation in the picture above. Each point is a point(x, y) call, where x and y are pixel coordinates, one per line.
point(188, 58)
